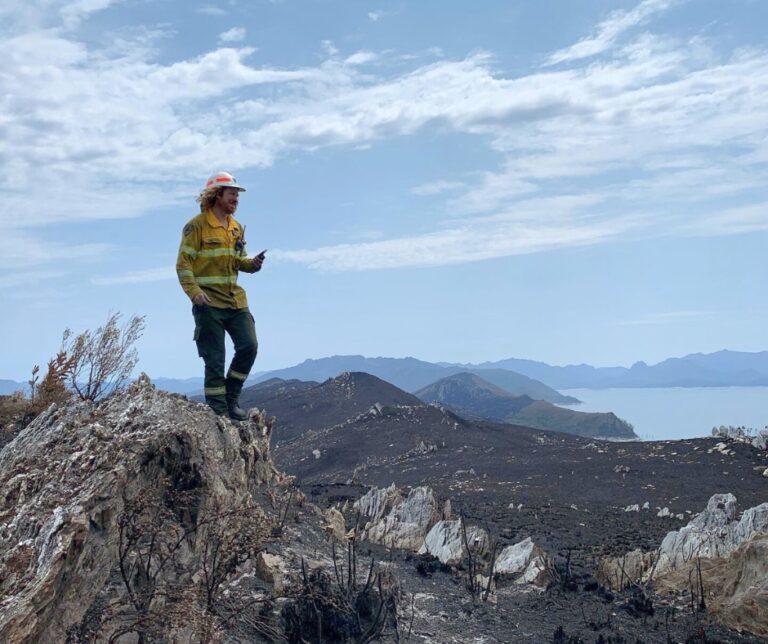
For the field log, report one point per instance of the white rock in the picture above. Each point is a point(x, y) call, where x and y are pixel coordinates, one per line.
point(646, 505)
point(377, 502)
point(445, 541)
point(537, 573)
point(713, 533)
point(632, 508)
point(513, 560)
point(398, 523)
point(316, 453)
point(663, 512)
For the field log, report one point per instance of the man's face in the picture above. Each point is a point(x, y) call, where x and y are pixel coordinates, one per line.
point(228, 199)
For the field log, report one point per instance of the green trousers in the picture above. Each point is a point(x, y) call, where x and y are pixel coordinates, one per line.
point(210, 325)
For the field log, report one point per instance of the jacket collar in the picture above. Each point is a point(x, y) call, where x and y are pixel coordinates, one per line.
point(213, 221)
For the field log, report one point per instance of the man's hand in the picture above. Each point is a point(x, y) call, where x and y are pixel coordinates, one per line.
point(257, 261)
point(200, 299)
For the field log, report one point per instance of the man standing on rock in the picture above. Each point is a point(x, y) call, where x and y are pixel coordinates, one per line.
point(211, 254)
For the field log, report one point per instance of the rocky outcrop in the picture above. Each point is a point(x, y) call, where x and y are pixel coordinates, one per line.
point(713, 533)
point(735, 586)
point(446, 542)
point(398, 522)
point(72, 482)
point(524, 563)
point(334, 525)
point(619, 573)
point(416, 523)
point(730, 554)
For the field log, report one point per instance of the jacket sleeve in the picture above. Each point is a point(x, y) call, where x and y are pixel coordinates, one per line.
point(244, 264)
point(188, 249)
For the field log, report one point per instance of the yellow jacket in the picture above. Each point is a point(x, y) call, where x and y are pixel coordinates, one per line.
point(208, 261)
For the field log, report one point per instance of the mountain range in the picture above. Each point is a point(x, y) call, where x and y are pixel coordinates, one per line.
point(308, 407)
point(720, 369)
point(538, 380)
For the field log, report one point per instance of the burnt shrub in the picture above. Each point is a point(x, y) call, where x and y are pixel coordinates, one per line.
point(340, 608)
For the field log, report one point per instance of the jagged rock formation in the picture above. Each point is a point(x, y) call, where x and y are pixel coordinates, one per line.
point(398, 522)
point(713, 533)
point(68, 480)
point(446, 542)
point(732, 556)
point(735, 587)
point(525, 563)
point(416, 523)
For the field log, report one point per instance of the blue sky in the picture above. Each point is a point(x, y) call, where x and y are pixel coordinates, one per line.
point(563, 181)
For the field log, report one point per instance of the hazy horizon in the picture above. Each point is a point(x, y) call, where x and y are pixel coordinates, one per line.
point(255, 371)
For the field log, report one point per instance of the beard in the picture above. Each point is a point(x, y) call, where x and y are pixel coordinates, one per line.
point(228, 207)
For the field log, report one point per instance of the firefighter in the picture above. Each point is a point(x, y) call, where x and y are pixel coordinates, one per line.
point(211, 254)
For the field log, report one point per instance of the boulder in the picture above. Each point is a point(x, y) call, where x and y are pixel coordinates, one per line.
point(398, 522)
point(272, 569)
point(538, 572)
point(334, 524)
point(619, 573)
point(514, 559)
point(445, 541)
point(524, 563)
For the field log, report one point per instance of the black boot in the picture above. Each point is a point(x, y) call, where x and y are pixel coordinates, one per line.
point(219, 407)
point(235, 411)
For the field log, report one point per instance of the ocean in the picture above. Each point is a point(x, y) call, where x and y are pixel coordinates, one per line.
point(678, 412)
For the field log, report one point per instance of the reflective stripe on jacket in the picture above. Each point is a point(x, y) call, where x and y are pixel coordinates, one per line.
point(208, 261)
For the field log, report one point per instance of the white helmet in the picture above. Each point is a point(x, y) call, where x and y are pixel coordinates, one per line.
point(223, 180)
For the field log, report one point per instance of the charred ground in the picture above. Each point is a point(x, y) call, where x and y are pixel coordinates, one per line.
point(568, 493)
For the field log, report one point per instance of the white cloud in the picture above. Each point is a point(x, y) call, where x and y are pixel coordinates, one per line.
point(211, 10)
point(730, 221)
point(25, 15)
point(329, 48)
point(236, 34)
point(361, 58)
point(609, 30)
point(652, 127)
point(455, 245)
point(20, 251)
point(72, 13)
point(21, 278)
point(375, 16)
point(136, 277)
point(436, 187)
